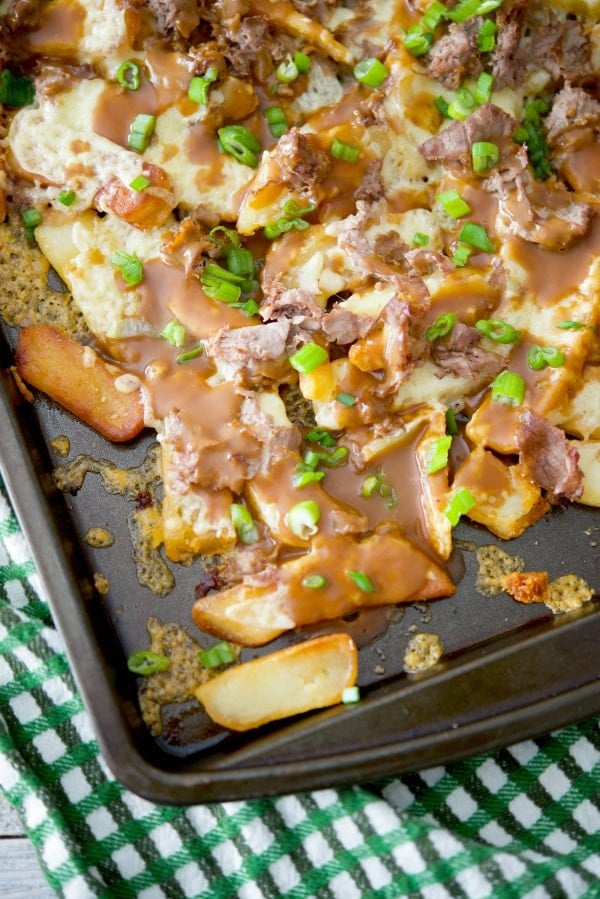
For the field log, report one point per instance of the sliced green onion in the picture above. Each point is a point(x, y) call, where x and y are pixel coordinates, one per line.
point(221, 290)
point(248, 307)
point(200, 86)
point(320, 436)
point(420, 239)
point(292, 209)
point(303, 519)
point(128, 75)
point(487, 6)
point(304, 475)
point(463, 10)
point(190, 354)
point(231, 237)
point(362, 581)
point(433, 15)
point(418, 41)
point(437, 457)
point(283, 225)
point(141, 131)
point(16, 90)
point(350, 695)
point(483, 88)
point(129, 265)
point(508, 388)
point(240, 261)
point(476, 236)
point(314, 581)
point(343, 150)
point(452, 203)
point(346, 399)
point(31, 218)
point(484, 155)
point(460, 503)
point(146, 662)
point(486, 39)
point(531, 134)
point(451, 424)
point(244, 524)
point(66, 197)
point(462, 105)
point(371, 485)
point(569, 325)
point(539, 357)
point(332, 460)
point(302, 62)
point(371, 72)
point(462, 254)
point(287, 71)
point(308, 357)
point(140, 183)
point(240, 143)
point(441, 326)
point(497, 330)
point(219, 654)
point(276, 120)
point(442, 106)
point(174, 333)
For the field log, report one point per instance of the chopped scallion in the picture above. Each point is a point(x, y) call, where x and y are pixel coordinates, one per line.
point(31, 218)
point(244, 524)
point(433, 15)
point(451, 424)
point(219, 654)
point(497, 330)
point(486, 39)
point(140, 183)
point(420, 239)
point(441, 326)
point(287, 71)
point(314, 581)
point(462, 254)
point(350, 695)
point(460, 503)
point(308, 357)
point(129, 265)
point(346, 399)
point(437, 457)
point(66, 197)
point(16, 90)
point(362, 581)
point(483, 88)
point(484, 155)
point(343, 150)
point(303, 519)
point(128, 75)
point(174, 333)
point(418, 41)
point(371, 72)
point(302, 61)
point(275, 120)
point(452, 203)
point(539, 357)
point(146, 662)
point(320, 436)
point(462, 105)
point(509, 388)
point(190, 354)
point(200, 86)
point(141, 131)
point(476, 236)
point(240, 143)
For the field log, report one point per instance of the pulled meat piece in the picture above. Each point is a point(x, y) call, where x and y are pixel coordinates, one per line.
point(424, 261)
point(189, 247)
point(371, 187)
point(452, 146)
point(303, 163)
point(559, 46)
point(508, 63)
point(342, 326)
point(249, 355)
point(551, 462)
point(390, 247)
point(295, 306)
point(572, 108)
point(276, 439)
point(455, 54)
point(461, 355)
point(175, 15)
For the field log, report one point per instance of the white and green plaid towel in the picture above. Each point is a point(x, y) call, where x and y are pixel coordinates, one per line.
point(523, 822)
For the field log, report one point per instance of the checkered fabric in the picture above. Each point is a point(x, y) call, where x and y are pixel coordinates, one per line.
point(523, 822)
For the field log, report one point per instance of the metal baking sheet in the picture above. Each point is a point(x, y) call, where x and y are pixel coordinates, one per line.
point(509, 670)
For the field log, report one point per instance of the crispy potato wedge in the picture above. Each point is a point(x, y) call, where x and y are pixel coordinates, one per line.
point(589, 463)
point(310, 675)
point(262, 607)
point(78, 378)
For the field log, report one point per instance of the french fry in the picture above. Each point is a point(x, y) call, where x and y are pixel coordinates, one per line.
point(78, 378)
point(300, 678)
point(285, 16)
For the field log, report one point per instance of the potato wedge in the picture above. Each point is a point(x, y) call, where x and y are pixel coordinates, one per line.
point(589, 463)
point(310, 675)
point(78, 378)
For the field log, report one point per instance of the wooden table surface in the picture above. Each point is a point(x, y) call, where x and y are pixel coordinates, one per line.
point(20, 874)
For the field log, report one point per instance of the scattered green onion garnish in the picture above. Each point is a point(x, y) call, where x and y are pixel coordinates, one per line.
point(140, 183)
point(343, 150)
point(174, 333)
point(476, 236)
point(240, 143)
point(230, 237)
point(219, 654)
point(221, 284)
point(484, 155)
point(486, 39)
point(141, 131)
point(128, 75)
point(304, 475)
point(539, 357)
point(244, 524)
point(314, 581)
point(483, 88)
point(362, 581)
point(509, 388)
point(441, 326)
point(287, 71)
point(16, 90)
point(569, 325)
point(377, 485)
point(370, 72)
point(275, 120)
point(303, 62)
point(190, 354)
point(320, 436)
point(530, 133)
point(462, 105)
point(463, 10)
point(433, 15)
point(451, 424)
point(350, 695)
point(31, 218)
point(420, 239)
point(418, 41)
point(460, 503)
point(200, 86)
point(291, 218)
point(248, 307)
point(303, 519)
point(146, 662)
point(66, 197)
point(461, 255)
point(497, 330)
point(346, 399)
point(438, 454)
point(240, 261)
point(129, 265)
point(442, 106)
point(452, 203)
point(308, 357)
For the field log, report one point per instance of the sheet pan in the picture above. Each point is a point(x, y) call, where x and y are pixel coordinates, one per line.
point(509, 671)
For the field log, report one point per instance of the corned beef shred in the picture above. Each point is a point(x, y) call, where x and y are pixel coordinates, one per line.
point(303, 163)
point(547, 455)
point(461, 355)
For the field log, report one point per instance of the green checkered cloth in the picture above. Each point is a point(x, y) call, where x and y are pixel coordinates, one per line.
point(522, 822)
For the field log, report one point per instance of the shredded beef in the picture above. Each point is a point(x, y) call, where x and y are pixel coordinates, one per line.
point(371, 187)
point(572, 108)
point(461, 355)
point(303, 163)
point(343, 326)
point(425, 262)
point(54, 77)
point(455, 54)
point(174, 15)
point(249, 355)
point(400, 350)
point(559, 46)
point(296, 306)
point(508, 64)
point(189, 247)
point(551, 462)
point(276, 440)
point(370, 111)
point(391, 247)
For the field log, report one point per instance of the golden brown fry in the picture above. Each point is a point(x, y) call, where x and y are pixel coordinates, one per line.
point(310, 675)
point(289, 19)
point(78, 379)
point(146, 208)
